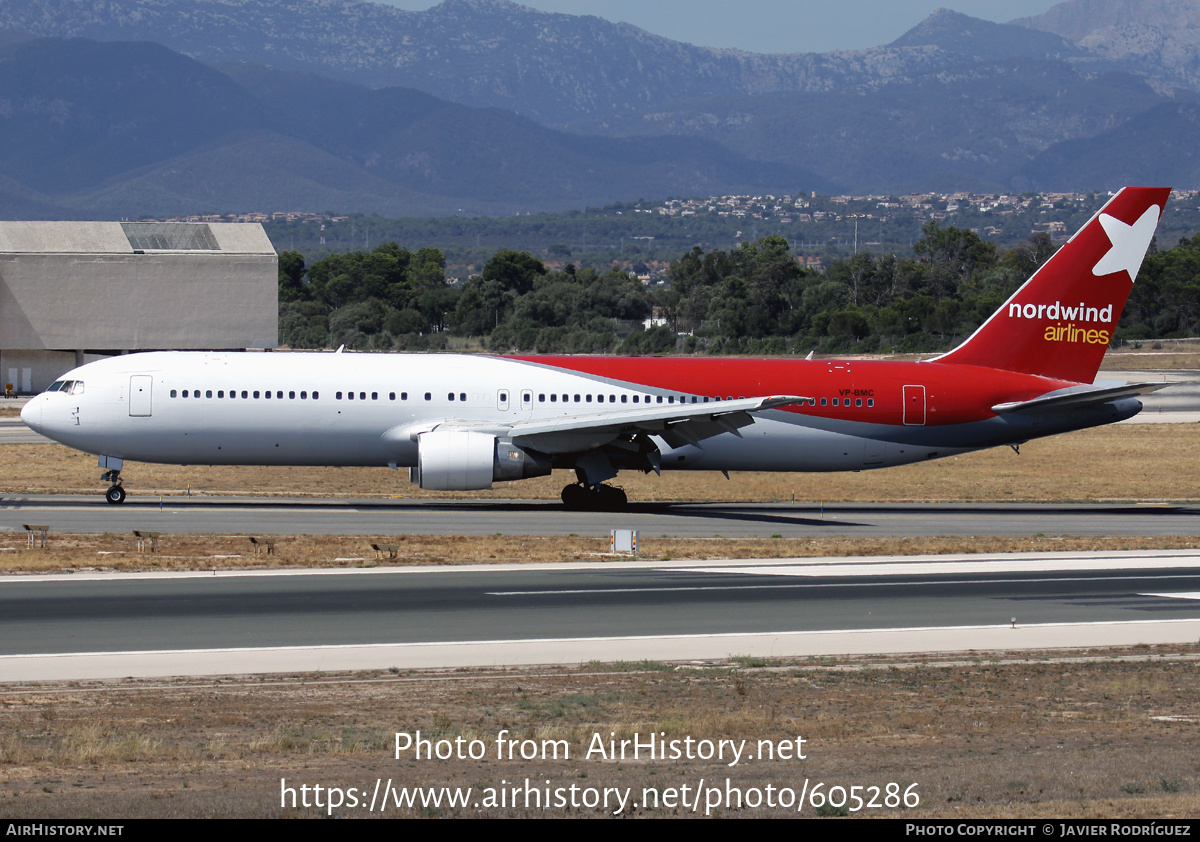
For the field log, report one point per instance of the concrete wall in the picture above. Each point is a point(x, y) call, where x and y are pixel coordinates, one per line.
point(138, 301)
point(75, 286)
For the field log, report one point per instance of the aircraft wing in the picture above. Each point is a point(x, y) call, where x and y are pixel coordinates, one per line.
point(1076, 396)
point(677, 424)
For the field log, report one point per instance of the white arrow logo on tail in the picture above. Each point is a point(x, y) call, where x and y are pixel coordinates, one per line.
point(1129, 243)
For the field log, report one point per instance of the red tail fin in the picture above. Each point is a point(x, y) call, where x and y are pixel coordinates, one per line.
point(1059, 323)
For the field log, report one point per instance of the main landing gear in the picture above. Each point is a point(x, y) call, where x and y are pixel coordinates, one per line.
point(116, 492)
point(578, 497)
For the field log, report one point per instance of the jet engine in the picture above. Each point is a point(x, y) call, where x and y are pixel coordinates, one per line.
point(465, 460)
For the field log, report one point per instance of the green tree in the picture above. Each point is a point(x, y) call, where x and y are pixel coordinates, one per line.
point(513, 270)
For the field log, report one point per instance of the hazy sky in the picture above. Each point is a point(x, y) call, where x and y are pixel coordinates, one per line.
point(776, 26)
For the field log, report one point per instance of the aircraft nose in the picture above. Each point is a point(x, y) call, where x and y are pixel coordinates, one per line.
point(31, 414)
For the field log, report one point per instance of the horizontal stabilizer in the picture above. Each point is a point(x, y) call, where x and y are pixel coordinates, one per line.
point(1077, 396)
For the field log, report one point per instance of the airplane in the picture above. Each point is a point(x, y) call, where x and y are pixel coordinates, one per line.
point(462, 422)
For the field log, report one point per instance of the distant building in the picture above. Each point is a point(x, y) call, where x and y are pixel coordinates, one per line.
point(71, 292)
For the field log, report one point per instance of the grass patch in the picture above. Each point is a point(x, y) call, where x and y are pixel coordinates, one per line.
point(986, 740)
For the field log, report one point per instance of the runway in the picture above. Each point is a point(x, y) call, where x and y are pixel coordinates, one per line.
point(95, 626)
point(259, 516)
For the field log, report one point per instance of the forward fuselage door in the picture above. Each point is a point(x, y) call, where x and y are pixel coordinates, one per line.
point(139, 394)
point(914, 405)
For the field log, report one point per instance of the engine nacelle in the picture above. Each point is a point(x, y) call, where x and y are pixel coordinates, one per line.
point(464, 460)
point(514, 462)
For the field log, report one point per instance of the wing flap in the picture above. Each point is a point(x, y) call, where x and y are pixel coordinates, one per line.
point(679, 424)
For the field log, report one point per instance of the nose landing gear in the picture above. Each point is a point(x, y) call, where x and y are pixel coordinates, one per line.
point(116, 492)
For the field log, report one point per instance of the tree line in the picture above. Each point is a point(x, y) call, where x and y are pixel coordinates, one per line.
point(755, 298)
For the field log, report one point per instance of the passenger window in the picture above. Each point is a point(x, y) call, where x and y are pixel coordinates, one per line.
point(362, 396)
point(589, 398)
point(450, 396)
point(870, 401)
point(635, 398)
point(338, 396)
point(824, 401)
point(624, 398)
point(577, 399)
point(350, 396)
point(173, 393)
point(208, 394)
point(374, 396)
point(292, 395)
point(246, 394)
point(541, 397)
point(462, 396)
point(279, 395)
point(858, 401)
point(428, 396)
point(267, 394)
point(391, 396)
point(404, 396)
point(256, 395)
point(554, 399)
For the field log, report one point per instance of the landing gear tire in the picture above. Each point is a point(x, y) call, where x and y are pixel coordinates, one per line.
point(575, 497)
point(611, 499)
point(115, 495)
point(601, 498)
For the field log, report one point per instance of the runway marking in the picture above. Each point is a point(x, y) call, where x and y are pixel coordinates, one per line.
point(574, 651)
point(1034, 562)
point(814, 585)
point(1184, 595)
point(983, 565)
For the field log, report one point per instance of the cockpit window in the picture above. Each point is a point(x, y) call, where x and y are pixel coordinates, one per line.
point(77, 389)
point(55, 386)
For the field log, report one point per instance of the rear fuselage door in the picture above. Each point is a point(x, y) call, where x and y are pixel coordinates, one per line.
point(139, 394)
point(914, 405)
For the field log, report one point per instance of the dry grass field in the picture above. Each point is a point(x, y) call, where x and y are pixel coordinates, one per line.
point(1088, 734)
point(1174, 354)
point(74, 553)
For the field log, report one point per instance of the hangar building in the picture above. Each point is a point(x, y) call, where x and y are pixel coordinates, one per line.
point(72, 292)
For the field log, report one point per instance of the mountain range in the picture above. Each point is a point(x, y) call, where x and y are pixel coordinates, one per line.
point(133, 107)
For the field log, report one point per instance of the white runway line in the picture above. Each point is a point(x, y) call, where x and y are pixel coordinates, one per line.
point(215, 662)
